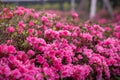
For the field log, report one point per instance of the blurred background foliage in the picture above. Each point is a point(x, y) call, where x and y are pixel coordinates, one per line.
point(62, 5)
point(48, 5)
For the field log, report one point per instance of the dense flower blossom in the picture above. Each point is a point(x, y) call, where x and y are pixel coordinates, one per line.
point(48, 47)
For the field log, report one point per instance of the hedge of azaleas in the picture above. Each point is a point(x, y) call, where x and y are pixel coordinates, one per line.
point(43, 46)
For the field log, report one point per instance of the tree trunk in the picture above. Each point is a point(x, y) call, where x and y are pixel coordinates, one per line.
point(108, 6)
point(72, 5)
point(93, 7)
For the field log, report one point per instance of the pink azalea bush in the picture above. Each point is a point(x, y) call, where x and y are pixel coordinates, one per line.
point(39, 46)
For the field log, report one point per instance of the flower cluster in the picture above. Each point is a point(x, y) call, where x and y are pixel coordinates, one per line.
point(43, 46)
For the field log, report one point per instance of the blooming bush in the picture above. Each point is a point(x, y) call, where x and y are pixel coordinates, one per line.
point(43, 46)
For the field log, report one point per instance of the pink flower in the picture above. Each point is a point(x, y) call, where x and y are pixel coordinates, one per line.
point(20, 30)
point(31, 23)
point(44, 19)
point(21, 24)
point(39, 77)
point(3, 48)
point(111, 61)
point(80, 57)
point(116, 71)
point(20, 11)
point(31, 31)
point(5, 70)
point(11, 49)
point(74, 34)
point(67, 27)
point(8, 49)
point(58, 25)
point(39, 32)
point(96, 59)
point(86, 36)
point(57, 63)
point(36, 15)
point(99, 48)
point(40, 59)
point(21, 55)
point(10, 14)
point(10, 29)
point(16, 74)
point(35, 40)
point(107, 71)
point(108, 29)
point(5, 9)
point(9, 41)
point(50, 34)
point(64, 33)
point(102, 21)
point(67, 71)
point(28, 77)
point(74, 15)
point(88, 52)
point(49, 73)
point(73, 46)
point(30, 52)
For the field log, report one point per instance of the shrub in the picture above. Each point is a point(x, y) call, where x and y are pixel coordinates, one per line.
point(43, 46)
